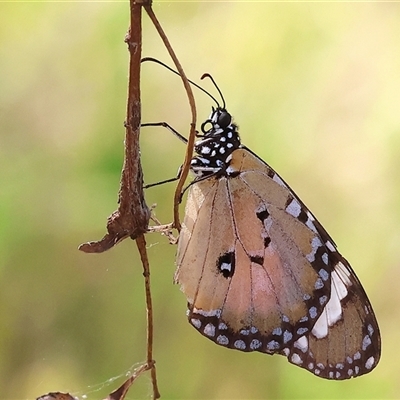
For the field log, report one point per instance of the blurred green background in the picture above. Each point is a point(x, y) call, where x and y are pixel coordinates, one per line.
point(315, 89)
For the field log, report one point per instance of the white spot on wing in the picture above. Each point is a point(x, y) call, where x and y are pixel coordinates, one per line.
point(301, 343)
point(196, 322)
point(272, 345)
point(343, 273)
point(301, 331)
point(337, 283)
point(315, 245)
point(223, 340)
point(333, 309)
point(323, 299)
point(369, 363)
point(313, 312)
point(268, 223)
point(240, 344)
point(255, 344)
point(226, 266)
point(311, 225)
point(294, 208)
point(320, 328)
point(319, 284)
point(323, 274)
point(366, 342)
point(277, 331)
point(210, 313)
point(349, 360)
point(287, 336)
point(296, 359)
point(330, 246)
point(209, 330)
point(285, 318)
point(286, 351)
point(278, 180)
point(222, 326)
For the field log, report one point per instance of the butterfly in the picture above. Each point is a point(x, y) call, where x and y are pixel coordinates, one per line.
point(259, 271)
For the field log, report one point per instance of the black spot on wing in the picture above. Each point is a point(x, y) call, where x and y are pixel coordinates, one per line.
point(262, 215)
point(226, 264)
point(257, 259)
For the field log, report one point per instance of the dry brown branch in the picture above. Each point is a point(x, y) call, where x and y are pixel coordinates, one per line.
point(132, 217)
point(121, 392)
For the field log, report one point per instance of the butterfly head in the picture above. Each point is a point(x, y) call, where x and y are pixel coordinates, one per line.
point(219, 137)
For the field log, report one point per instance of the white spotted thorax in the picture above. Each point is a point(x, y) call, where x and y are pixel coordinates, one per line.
point(217, 144)
point(260, 273)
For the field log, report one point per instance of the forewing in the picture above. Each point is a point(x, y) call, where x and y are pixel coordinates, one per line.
point(260, 273)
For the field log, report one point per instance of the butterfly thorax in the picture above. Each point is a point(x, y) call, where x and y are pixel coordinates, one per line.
point(218, 140)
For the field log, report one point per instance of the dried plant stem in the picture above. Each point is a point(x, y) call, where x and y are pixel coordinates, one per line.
point(122, 391)
point(132, 217)
point(141, 245)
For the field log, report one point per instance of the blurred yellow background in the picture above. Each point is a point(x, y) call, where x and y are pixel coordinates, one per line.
point(315, 89)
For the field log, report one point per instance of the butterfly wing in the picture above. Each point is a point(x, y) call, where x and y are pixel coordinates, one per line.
point(261, 274)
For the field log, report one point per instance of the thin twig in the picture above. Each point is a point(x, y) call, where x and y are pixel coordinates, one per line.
point(192, 134)
point(141, 245)
point(121, 392)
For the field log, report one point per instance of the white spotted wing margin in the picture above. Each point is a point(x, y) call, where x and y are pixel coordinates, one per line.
point(346, 321)
point(261, 274)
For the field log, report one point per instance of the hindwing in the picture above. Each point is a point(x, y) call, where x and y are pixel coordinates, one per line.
point(261, 274)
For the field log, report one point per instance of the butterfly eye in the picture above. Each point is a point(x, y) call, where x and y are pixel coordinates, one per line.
point(206, 126)
point(224, 119)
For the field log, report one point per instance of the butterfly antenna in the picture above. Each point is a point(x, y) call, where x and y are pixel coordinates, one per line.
point(216, 86)
point(177, 73)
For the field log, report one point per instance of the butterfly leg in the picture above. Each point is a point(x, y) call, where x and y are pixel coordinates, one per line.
point(180, 137)
point(178, 175)
point(169, 127)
